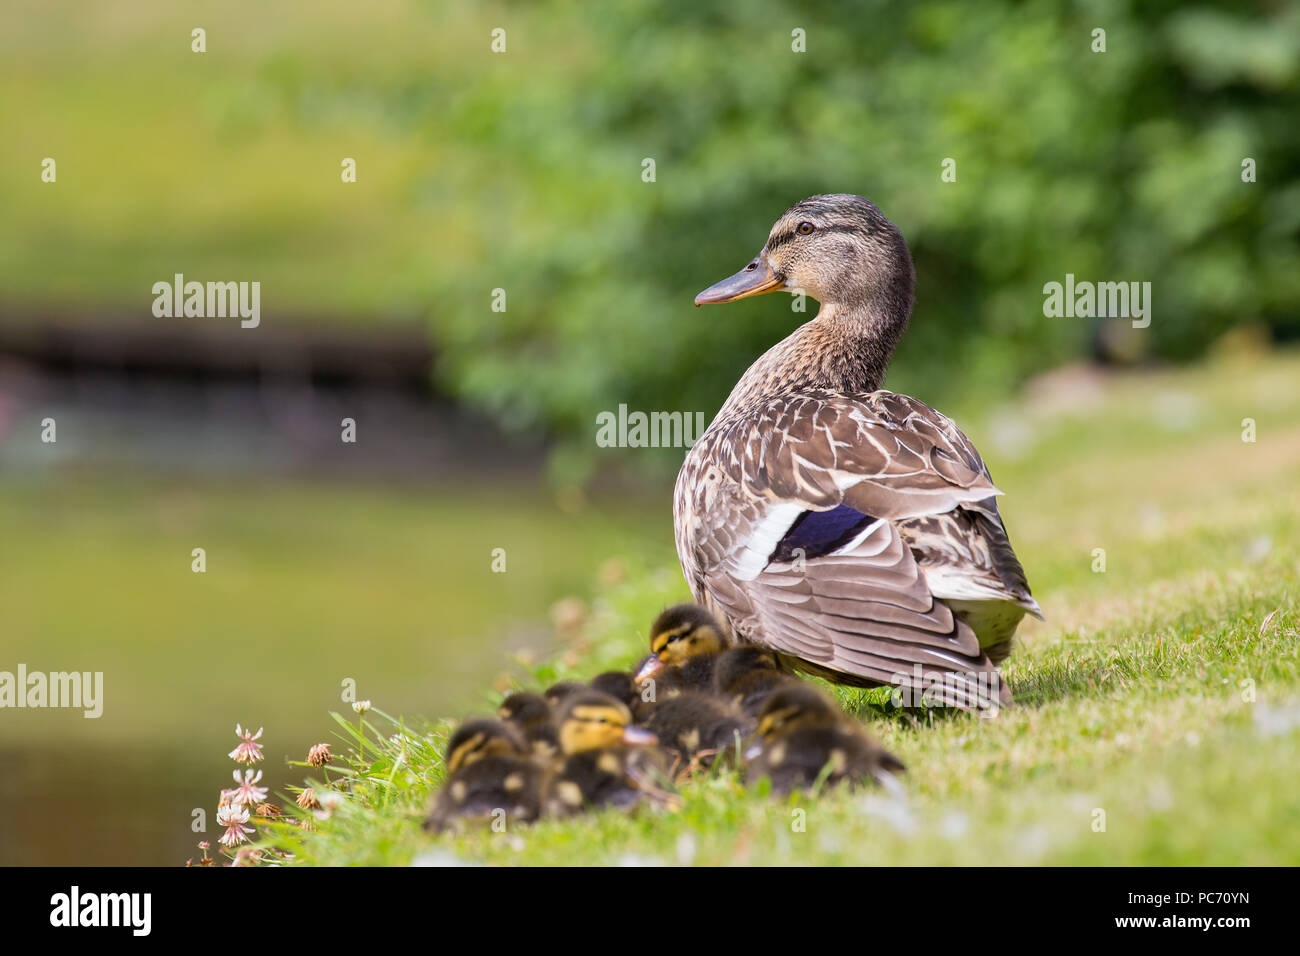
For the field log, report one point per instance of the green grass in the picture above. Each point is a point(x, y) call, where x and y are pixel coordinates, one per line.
point(1164, 692)
point(233, 164)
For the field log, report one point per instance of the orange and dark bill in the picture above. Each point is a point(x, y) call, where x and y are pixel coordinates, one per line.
point(639, 737)
point(755, 279)
point(648, 668)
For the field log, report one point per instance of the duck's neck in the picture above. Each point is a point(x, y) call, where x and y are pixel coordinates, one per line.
point(851, 345)
point(846, 348)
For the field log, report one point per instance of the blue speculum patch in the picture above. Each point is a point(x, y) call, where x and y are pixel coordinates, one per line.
point(816, 533)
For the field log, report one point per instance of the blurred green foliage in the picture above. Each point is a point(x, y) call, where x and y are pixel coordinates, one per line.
point(1118, 166)
point(523, 171)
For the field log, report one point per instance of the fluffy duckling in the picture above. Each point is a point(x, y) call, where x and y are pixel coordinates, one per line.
point(557, 693)
point(804, 738)
point(746, 676)
point(607, 760)
point(694, 727)
point(489, 774)
point(623, 686)
point(533, 718)
point(685, 642)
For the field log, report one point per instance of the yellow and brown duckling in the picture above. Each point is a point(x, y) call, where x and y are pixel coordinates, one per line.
point(691, 723)
point(623, 686)
point(619, 684)
point(695, 727)
point(532, 716)
point(608, 761)
point(746, 676)
point(685, 642)
point(490, 776)
point(804, 739)
point(557, 693)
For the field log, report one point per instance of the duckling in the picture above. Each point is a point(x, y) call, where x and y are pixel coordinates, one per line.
point(477, 739)
point(556, 693)
point(490, 777)
point(685, 641)
point(533, 718)
point(607, 760)
point(623, 686)
point(694, 727)
point(804, 738)
point(747, 675)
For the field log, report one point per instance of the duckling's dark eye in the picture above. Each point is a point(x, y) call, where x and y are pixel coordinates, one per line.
point(804, 228)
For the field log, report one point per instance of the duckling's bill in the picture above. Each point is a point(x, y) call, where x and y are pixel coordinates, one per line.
point(649, 667)
point(639, 737)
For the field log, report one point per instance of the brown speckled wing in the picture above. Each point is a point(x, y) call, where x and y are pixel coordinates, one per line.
point(882, 453)
point(863, 613)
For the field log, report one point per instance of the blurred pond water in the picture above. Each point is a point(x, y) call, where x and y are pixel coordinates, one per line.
point(307, 583)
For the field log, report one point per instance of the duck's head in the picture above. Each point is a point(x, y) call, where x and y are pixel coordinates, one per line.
point(678, 634)
point(476, 739)
point(524, 709)
point(838, 249)
point(794, 707)
point(736, 662)
point(591, 720)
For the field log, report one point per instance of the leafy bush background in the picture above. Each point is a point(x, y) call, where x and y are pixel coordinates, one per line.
point(1117, 166)
point(522, 171)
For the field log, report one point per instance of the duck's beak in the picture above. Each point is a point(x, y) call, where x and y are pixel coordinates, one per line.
point(755, 279)
point(651, 666)
point(638, 737)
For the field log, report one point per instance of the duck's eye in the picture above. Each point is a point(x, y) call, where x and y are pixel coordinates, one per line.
point(804, 228)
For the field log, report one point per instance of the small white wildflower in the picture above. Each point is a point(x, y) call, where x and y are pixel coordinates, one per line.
point(247, 793)
point(249, 750)
point(233, 819)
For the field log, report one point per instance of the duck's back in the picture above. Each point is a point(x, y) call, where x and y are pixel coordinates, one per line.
point(855, 533)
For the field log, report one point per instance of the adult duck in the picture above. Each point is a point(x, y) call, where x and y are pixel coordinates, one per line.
point(852, 530)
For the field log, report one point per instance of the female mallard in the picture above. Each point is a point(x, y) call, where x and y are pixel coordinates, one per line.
point(851, 529)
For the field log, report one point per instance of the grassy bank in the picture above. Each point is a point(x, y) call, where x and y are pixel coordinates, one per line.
point(1161, 699)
